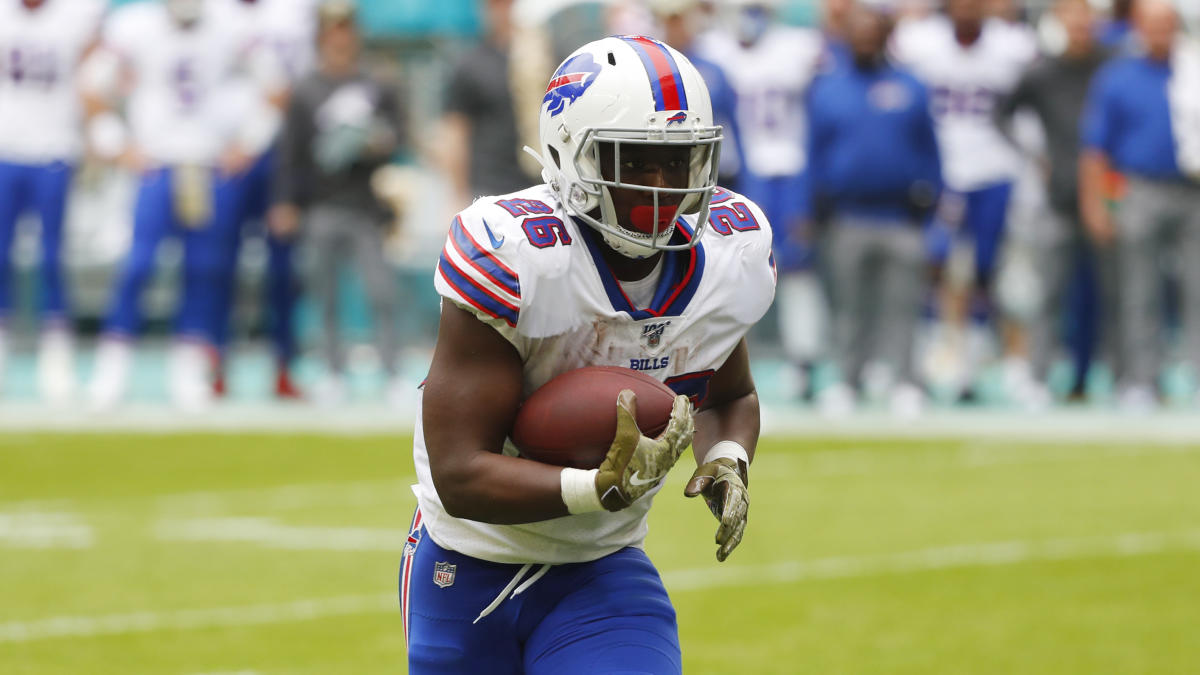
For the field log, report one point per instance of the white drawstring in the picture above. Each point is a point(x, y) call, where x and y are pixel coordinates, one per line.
point(531, 581)
point(511, 585)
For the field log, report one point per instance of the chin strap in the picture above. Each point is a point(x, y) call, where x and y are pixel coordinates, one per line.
point(547, 172)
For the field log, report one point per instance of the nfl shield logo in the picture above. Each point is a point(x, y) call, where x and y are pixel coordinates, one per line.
point(443, 574)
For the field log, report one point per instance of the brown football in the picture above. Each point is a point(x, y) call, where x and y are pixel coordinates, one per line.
point(572, 419)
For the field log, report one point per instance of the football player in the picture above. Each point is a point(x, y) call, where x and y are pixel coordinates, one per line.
point(275, 41)
point(41, 45)
point(772, 131)
point(628, 255)
point(968, 62)
point(171, 64)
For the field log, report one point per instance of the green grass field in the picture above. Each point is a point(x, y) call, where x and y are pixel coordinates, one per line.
point(265, 554)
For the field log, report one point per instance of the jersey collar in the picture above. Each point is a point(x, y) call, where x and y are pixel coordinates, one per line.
point(681, 274)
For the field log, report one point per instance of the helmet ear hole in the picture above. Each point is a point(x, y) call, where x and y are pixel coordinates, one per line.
point(554, 156)
point(612, 59)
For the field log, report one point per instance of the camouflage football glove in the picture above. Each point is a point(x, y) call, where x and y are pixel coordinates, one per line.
point(722, 482)
point(636, 463)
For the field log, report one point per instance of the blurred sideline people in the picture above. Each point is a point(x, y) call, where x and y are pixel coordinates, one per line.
point(42, 43)
point(275, 43)
point(342, 124)
point(1117, 31)
point(477, 142)
point(772, 130)
point(169, 64)
point(1127, 127)
point(680, 22)
point(1055, 89)
point(968, 61)
point(874, 249)
point(835, 19)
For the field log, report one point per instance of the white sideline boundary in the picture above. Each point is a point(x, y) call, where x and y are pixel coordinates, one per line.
point(1088, 425)
point(994, 554)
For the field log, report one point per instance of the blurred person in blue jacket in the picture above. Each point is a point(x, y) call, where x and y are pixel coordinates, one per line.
point(42, 43)
point(875, 173)
point(1127, 127)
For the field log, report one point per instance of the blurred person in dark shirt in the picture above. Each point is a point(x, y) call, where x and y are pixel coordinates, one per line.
point(1054, 89)
point(876, 210)
point(342, 124)
point(1127, 127)
point(478, 140)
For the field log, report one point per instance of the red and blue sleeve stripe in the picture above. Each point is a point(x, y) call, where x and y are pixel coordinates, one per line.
point(483, 260)
point(476, 294)
point(666, 82)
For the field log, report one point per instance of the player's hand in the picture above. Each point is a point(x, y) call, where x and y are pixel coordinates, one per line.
point(235, 162)
point(722, 482)
point(283, 220)
point(636, 463)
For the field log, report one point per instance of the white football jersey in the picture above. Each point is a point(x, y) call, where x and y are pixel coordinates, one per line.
point(276, 39)
point(965, 83)
point(176, 109)
point(40, 50)
point(521, 265)
point(771, 79)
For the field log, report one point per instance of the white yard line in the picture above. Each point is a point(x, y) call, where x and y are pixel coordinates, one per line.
point(42, 530)
point(269, 533)
point(995, 554)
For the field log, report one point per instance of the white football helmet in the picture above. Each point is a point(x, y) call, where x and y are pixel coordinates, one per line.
point(627, 90)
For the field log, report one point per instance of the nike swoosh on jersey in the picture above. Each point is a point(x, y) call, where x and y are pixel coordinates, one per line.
point(496, 243)
point(637, 480)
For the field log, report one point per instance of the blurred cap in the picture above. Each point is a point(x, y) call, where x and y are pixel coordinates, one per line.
point(671, 7)
point(336, 11)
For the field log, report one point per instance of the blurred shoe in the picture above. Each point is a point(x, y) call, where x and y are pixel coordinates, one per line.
point(219, 388)
point(330, 391)
point(110, 375)
point(56, 367)
point(189, 382)
point(1137, 400)
point(1022, 389)
point(906, 401)
point(285, 389)
point(836, 401)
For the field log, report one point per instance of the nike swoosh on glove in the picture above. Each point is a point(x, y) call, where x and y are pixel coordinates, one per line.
point(636, 463)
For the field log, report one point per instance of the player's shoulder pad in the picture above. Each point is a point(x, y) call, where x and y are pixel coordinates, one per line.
point(739, 242)
point(738, 225)
point(491, 258)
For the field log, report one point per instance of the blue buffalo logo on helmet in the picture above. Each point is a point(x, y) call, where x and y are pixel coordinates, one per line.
point(570, 82)
point(678, 118)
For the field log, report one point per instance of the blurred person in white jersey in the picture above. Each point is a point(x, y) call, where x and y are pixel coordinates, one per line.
point(770, 67)
point(169, 67)
point(276, 42)
point(42, 43)
point(628, 255)
point(968, 61)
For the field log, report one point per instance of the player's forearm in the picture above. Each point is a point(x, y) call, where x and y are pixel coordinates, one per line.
point(494, 488)
point(736, 420)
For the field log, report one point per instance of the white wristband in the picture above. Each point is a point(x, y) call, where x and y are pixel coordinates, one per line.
point(731, 449)
point(579, 490)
